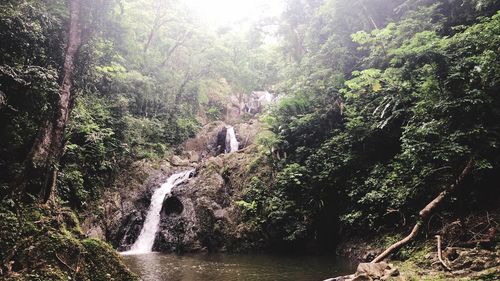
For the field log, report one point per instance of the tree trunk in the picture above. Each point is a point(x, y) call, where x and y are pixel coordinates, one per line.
point(40, 173)
point(426, 212)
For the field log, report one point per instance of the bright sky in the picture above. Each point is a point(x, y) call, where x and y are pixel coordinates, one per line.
point(225, 12)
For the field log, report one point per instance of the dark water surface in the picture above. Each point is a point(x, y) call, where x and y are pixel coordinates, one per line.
point(226, 267)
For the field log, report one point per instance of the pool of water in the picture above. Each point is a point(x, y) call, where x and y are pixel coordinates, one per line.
point(228, 267)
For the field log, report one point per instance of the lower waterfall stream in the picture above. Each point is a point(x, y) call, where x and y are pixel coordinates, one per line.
point(146, 239)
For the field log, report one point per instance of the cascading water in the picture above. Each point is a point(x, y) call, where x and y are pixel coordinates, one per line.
point(146, 239)
point(231, 141)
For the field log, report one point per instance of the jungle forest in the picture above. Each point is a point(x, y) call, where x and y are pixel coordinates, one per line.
point(253, 140)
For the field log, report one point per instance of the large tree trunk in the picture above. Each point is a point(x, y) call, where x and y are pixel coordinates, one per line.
point(426, 212)
point(39, 177)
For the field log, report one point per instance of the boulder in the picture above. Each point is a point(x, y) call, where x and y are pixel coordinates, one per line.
point(370, 272)
point(95, 232)
point(178, 161)
point(247, 132)
point(191, 156)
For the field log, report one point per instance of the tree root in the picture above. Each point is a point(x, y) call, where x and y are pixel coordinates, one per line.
point(440, 256)
point(64, 263)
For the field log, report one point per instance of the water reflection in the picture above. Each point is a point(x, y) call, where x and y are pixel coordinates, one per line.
point(224, 267)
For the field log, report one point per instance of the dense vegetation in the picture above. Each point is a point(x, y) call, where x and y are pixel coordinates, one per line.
point(386, 103)
point(382, 105)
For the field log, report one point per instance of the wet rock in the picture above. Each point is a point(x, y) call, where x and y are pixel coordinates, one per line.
point(220, 146)
point(172, 206)
point(124, 208)
point(129, 230)
point(196, 216)
point(178, 226)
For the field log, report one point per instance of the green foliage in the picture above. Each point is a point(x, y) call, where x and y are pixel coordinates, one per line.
point(215, 112)
point(32, 34)
point(371, 151)
point(275, 210)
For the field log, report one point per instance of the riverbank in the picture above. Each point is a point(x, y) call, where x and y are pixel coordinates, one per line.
point(420, 260)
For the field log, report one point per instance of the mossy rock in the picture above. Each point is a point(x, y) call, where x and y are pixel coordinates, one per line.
point(102, 263)
point(41, 243)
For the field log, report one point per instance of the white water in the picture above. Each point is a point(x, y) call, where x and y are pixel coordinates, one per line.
point(231, 141)
point(146, 239)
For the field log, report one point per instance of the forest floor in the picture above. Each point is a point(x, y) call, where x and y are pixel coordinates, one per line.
point(468, 246)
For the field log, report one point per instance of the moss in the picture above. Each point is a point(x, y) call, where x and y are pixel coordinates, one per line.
point(103, 263)
point(42, 243)
point(71, 222)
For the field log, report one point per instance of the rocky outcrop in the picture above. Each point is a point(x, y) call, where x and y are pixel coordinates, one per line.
point(234, 109)
point(198, 215)
point(208, 142)
point(257, 101)
point(211, 140)
point(124, 218)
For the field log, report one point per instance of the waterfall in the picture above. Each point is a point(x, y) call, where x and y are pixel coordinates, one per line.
point(146, 239)
point(231, 141)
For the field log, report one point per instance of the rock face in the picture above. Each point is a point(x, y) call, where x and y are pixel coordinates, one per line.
point(126, 220)
point(257, 101)
point(200, 215)
point(211, 140)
